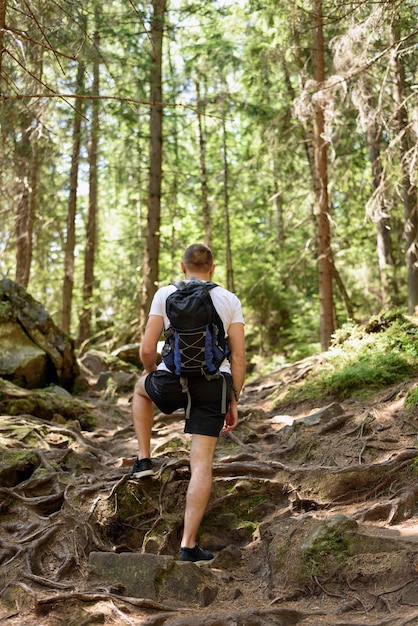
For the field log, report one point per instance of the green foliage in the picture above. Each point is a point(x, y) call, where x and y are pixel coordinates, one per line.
point(411, 400)
point(365, 359)
point(368, 372)
point(253, 63)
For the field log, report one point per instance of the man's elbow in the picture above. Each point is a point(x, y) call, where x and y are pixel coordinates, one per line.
point(146, 352)
point(239, 359)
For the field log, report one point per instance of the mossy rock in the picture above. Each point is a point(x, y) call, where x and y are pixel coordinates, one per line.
point(17, 466)
point(333, 550)
point(44, 404)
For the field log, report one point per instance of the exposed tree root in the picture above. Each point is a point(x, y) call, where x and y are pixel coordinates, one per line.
point(69, 500)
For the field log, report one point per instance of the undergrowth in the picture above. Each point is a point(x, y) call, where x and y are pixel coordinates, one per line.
point(364, 359)
point(411, 400)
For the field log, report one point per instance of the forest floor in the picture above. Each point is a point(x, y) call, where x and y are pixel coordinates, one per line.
point(354, 468)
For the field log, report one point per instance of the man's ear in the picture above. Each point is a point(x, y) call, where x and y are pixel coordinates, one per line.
point(212, 269)
point(183, 267)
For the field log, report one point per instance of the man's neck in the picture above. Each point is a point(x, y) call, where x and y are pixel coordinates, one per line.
point(200, 276)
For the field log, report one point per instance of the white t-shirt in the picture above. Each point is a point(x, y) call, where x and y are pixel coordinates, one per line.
point(226, 303)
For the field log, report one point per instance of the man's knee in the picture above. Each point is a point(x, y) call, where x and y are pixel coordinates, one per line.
point(139, 388)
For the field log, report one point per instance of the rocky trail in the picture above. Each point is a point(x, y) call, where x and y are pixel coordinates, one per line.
point(313, 515)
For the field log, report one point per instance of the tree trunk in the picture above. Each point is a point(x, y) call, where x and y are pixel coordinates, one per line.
point(325, 263)
point(409, 188)
point(229, 268)
point(26, 177)
point(91, 238)
point(380, 211)
point(207, 232)
point(384, 240)
point(155, 172)
point(67, 292)
point(26, 170)
point(2, 31)
point(173, 191)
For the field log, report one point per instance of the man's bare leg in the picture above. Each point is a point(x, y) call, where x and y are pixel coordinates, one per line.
point(143, 417)
point(200, 486)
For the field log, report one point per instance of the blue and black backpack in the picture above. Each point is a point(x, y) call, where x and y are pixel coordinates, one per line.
point(195, 342)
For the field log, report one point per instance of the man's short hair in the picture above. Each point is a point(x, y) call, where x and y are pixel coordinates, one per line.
point(198, 256)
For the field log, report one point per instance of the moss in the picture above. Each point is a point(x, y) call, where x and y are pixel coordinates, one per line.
point(411, 400)
point(45, 405)
point(133, 500)
point(246, 510)
point(325, 557)
point(17, 466)
point(328, 547)
point(361, 361)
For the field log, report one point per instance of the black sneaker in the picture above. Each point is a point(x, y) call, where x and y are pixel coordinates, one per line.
point(142, 468)
point(196, 555)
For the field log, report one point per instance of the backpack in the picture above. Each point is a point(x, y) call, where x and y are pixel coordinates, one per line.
point(195, 341)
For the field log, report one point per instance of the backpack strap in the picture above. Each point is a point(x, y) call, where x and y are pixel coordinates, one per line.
point(223, 402)
point(181, 283)
point(184, 382)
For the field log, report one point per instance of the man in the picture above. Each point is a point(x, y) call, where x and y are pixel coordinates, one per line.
point(206, 420)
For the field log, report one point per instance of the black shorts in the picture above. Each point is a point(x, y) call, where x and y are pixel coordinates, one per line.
point(206, 417)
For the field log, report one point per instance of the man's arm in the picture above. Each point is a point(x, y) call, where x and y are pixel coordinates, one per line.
point(148, 348)
point(238, 361)
point(236, 341)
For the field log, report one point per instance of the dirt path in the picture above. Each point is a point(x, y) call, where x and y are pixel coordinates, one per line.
point(312, 516)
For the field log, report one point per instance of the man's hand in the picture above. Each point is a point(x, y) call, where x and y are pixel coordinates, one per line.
point(231, 419)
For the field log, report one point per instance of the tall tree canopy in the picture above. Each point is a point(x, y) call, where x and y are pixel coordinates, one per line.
point(131, 130)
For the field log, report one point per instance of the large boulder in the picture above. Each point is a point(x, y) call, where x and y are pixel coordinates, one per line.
point(34, 352)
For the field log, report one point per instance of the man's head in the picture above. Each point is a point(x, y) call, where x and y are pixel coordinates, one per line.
point(198, 260)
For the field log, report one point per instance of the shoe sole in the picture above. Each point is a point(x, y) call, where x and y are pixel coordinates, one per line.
point(203, 563)
point(143, 474)
point(199, 563)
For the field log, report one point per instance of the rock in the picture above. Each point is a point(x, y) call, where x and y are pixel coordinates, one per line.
point(116, 382)
point(45, 404)
point(157, 577)
point(228, 558)
point(129, 353)
point(33, 351)
point(207, 595)
point(94, 362)
point(326, 532)
point(14, 468)
point(235, 593)
point(59, 391)
point(323, 415)
point(21, 361)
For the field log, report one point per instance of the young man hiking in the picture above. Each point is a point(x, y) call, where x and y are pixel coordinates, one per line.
point(210, 400)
